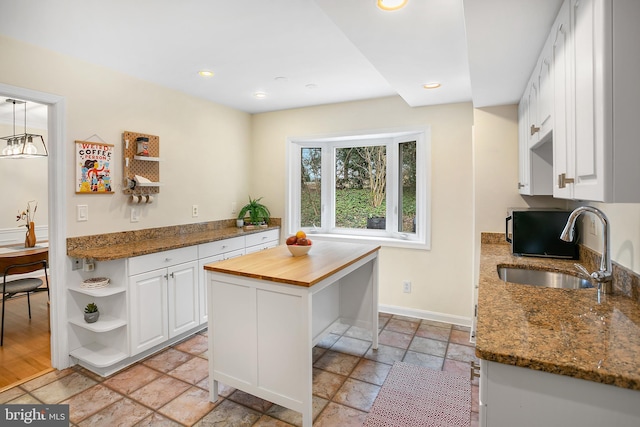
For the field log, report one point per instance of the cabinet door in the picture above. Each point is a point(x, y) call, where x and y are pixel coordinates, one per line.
point(587, 36)
point(545, 95)
point(148, 305)
point(532, 111)
point(523, 148)
point(562, 96)
point(183, 298)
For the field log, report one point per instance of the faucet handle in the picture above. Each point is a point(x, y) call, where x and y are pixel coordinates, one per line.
point(583, 271)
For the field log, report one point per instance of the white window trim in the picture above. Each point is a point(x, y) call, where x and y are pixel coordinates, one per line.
point(420, 240)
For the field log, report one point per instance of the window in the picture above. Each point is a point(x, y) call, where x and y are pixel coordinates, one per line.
point(372, 187)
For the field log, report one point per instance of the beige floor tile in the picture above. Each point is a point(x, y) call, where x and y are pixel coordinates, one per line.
point(339, 415)
point(90, 401)
point(293, 417)
point(250, 401)
point(325, 384)
point(198, 344)
point(10, 394)
point(402, 325)
point(460, 337)
point(428, 346)
point(357, 394)
point(64, 388)
point(25, 399)
point(159, 391)
point(167, 360)
point(267, 421)
point(338, 363)
point(351, 346)
point(192, 372)
point(46, 379)
point(359, 333)
point(189, 407)
point(395, 339)
point(463, 353)
point(434, 332)
point(122, 413)
point(157, 420)
point(422, 359)
point(457, 367)
point(132, 379)
point(229, 413)
point(371, 371)
point(386, 354)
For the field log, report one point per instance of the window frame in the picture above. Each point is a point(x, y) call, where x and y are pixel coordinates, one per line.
point(392, 139)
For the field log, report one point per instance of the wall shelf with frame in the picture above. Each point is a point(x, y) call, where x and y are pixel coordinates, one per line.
point(135, 163)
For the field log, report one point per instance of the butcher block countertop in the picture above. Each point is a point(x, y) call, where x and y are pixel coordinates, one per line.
point(561, 331)
point(278, 265)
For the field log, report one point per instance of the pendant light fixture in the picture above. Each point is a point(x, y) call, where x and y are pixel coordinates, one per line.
point(24, 145)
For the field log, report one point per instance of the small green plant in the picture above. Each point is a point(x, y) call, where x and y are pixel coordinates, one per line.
point(258, 212)
point(91, 308)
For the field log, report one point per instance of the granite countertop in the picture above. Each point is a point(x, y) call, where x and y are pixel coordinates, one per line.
point(112, 246)
point(561, 331)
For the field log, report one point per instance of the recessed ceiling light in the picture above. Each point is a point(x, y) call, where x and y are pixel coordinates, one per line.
point(205, 73)
point(260, 94)
point(391, 4)
point(433, 85)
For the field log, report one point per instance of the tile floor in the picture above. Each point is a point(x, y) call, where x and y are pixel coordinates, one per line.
point(170, 388)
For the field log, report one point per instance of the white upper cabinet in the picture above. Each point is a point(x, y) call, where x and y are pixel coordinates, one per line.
point(562, 66)
point(593, 93)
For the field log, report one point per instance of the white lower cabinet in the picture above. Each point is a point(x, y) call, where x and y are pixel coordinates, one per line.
point(514, 396)
point(259, 241)
point(163, 296)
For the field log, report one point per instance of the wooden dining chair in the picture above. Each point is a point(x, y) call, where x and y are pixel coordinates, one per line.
point(21, 286)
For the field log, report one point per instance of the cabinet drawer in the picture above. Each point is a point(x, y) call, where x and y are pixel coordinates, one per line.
point(263, 237)
point(163, 259)
point(220, 246)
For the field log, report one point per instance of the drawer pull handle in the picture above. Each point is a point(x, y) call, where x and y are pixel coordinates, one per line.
point(475, 371)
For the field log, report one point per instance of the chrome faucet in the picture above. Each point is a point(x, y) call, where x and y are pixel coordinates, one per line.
point(603, 277)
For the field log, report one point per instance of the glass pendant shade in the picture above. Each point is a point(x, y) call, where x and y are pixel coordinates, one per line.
point(25, 145)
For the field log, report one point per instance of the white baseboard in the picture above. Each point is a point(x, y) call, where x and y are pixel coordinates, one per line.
point(424, 314)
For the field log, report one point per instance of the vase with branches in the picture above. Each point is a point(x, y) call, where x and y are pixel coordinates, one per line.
point(28, 215)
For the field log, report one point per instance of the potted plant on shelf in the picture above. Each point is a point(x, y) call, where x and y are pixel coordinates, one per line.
point(258, 214)
point(91, 313)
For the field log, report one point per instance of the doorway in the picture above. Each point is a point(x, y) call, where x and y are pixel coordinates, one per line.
point(56, 213)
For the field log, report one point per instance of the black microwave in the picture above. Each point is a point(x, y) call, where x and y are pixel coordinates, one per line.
point(536, 232)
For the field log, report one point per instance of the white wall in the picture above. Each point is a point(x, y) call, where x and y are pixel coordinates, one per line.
point(204, 146)
point(441, 278)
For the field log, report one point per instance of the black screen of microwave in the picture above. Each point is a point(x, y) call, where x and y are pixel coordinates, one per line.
point(537, 233)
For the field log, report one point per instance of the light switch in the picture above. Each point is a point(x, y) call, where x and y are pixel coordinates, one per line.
point(82, 213)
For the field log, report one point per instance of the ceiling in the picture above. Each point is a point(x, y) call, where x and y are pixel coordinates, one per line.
point(299, 52)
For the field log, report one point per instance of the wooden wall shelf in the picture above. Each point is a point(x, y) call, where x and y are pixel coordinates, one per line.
point(145, 166)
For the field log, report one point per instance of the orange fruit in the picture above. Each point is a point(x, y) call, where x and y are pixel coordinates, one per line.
point(301, 234)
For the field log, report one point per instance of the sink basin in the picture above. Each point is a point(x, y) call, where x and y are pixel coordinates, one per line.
point(548, 279)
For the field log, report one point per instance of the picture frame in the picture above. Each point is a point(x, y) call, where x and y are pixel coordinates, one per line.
point(94, 167)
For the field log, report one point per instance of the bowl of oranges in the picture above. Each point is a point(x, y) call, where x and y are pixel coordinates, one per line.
point(299, 244)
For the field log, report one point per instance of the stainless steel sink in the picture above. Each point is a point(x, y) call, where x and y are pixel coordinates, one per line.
point(548, 279)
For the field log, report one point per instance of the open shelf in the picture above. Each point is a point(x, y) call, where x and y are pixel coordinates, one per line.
point(147, 158)
point(98, 355)
point(105, 323)
point(100, 292)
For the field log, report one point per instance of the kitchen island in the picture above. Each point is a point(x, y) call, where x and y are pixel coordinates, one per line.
point(268, 309)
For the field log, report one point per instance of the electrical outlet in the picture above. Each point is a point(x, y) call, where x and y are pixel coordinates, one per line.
point(406, 287)
point(592, 226)
point(135, 215)
point(234, 208)
point(76, 263)
point(194, 211)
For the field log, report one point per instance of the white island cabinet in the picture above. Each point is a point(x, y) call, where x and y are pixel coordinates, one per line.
point(268, 309)
point(515, 396)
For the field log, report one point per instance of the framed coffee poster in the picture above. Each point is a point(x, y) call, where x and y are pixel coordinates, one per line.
point(94, 163)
